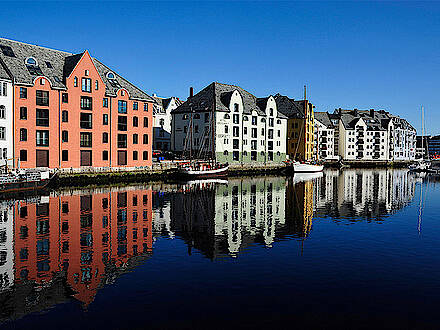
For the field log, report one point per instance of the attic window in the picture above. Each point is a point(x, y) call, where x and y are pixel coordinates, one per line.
point(58, 80)
point(110, 75)
point(7, 51)
point(49, 65)
point(31, 61)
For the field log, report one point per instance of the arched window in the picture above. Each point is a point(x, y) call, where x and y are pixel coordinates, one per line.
point(161, 122)
point(31, 61)
point(225, 152)
point(245, 118)
point(279, 121)
point(110, 75)
point(278, 153)
point(185, 116)
point(262, 153)
point(263, 120)
point(270, 112)
point(227, 116)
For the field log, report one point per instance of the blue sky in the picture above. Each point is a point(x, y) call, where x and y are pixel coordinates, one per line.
point(350, 54)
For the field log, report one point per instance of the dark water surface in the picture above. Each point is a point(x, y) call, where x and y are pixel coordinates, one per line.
point(344, 249)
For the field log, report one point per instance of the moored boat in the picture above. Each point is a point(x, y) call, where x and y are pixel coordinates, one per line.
point(306, 167)
point(24, 179)
point(200, 169)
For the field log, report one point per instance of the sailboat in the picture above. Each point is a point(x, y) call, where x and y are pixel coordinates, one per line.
point(422, 164)
point(199, 168)
point(307, 166)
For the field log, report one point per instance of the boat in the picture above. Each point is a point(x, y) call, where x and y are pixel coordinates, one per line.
point(423, 164)
point(205, 166)
point(24, 180)
point(202, 169)
point(304, 177)
point(306, 167)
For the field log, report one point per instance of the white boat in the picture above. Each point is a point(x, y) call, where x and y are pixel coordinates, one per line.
point(306, 168)
point(24, 179)
point(420, 166)
point(203, 170)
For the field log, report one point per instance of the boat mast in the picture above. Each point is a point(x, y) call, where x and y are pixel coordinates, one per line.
point(213, 158)
point(423, 136)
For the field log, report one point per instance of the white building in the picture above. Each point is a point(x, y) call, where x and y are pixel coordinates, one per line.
point(246, 129)
point(403, 140)
point(162, 122)
point(6, 120)
point(325, 140)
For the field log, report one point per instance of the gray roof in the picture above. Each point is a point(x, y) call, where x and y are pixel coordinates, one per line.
point(289, 107)
point(3, 73)
point(262, 104)
point(376, 122)
point(56, 66)
point(324, 118)
point(220, 95)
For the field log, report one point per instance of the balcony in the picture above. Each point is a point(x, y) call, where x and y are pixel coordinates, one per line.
point(360, 141)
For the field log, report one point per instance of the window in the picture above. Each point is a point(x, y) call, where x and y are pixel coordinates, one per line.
point(135, 122)
point(65, 136)
point(105, 119)
point(226, 129)
point(135, 106)
point(42, 98)
point(85, 120)
point(23, 93)
point(86, 85)
point(23, 155)
point(235, 143)
point(245, 130)
point(161, 122)
point(43, 138)
point(135, 155)
point(254, 133)
point(105, 102)
point(135, 139)
point(86, 157)
point(65, 98)
point(145, 155)
point(145, 121)
point(86, 103)
point(105, 137)
point(2, 112)
point(42, 118)
point(42, 81)
point(145, 106)
point(122, 106)
point(105, 155)
point(196, 116)
point(236, 119)
point(235, 107)
point(31, 61)
point(145, 139)
point(64, 116)
point(122, 123)
point(122, 140)
point(96, 85)
point(65, 156)
point(75, 82)
point(23, 134)
point(206, 117)
point(85, 139)
point(254, 120)
point(227, 116)
point(196, 129)
point(235, 131)
point(5, 89)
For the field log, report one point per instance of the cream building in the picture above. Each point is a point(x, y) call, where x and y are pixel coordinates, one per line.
point(162, 121)
point(6, 118)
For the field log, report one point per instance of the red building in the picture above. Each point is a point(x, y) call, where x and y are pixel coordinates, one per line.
point(72, 111)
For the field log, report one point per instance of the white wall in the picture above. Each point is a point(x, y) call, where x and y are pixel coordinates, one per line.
point(7, 102)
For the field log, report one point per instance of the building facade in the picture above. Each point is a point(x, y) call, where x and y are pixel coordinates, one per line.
point(162, 122)
point(231, 124)
point(6, 120)
point(325, 137)
point(73, 112)
point(403, 140)
point(300, 127)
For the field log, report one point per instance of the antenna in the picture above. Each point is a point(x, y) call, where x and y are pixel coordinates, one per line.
point(305, 92)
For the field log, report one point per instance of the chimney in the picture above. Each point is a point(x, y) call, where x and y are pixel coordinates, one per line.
point(371, 112)
point(355, 112)
point(191, 92)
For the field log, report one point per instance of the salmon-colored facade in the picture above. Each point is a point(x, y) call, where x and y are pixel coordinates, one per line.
point(81, 235)
point(70, 111)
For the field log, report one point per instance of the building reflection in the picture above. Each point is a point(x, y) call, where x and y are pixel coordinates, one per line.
point(72, 244)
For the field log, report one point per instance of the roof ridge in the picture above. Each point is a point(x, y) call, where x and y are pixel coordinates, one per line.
point(43, 47)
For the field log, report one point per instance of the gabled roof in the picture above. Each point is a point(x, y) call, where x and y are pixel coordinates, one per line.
point(56, 66)
point(324, 118)
point(262, 104)
point(165, 102)
point(289, 107)
point(376, 122)
point(220, 95)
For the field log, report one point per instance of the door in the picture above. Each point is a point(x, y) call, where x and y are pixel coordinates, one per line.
point(42, 158)
point(122, 157)
point(86, 158)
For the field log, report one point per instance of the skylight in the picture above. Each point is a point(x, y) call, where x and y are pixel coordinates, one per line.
point(49, 65)
point(7, 51)
point(110, 75)
point(31, 61)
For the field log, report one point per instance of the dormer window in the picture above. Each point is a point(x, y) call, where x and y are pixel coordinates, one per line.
point(122, 93)
point(75, 82)
point(110, 75)
point(86, 73)
point(31, 61)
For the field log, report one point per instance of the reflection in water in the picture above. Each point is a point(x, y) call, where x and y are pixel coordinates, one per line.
point(73, 243)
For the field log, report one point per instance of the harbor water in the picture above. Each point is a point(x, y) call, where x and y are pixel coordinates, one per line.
point(345, 249)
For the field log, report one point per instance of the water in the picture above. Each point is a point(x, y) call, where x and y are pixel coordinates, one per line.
point(350, 249)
